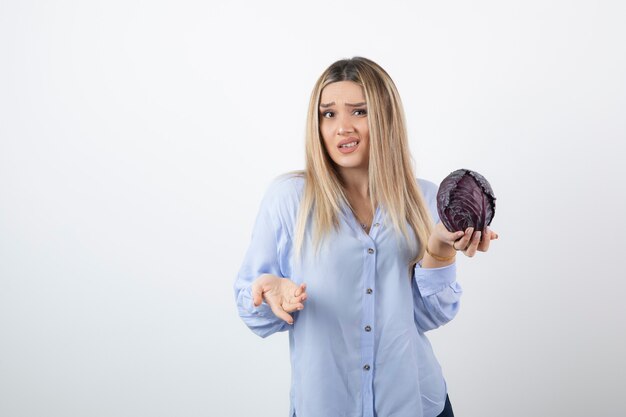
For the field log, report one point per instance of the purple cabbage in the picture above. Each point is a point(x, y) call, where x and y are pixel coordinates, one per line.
point(465, 199)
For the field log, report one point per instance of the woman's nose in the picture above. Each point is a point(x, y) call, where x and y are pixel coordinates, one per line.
point(345, 127)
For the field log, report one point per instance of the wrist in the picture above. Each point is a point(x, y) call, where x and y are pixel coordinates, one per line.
point(441, 252)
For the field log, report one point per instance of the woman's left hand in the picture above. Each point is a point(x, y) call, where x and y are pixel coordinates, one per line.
point(445, 243)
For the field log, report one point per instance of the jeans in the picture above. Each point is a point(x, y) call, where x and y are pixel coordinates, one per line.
point(447, 409)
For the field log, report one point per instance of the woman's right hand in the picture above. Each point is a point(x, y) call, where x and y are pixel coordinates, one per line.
point(281, 294)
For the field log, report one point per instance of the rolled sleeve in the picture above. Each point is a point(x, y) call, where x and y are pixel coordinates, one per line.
point(436, 296)
point(433, 280)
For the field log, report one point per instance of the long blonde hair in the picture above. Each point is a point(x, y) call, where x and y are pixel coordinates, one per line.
point(392, 182)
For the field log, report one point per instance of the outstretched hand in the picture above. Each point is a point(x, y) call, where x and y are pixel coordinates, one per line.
point(282, 295)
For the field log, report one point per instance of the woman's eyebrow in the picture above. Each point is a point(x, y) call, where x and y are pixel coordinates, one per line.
point(332, 103)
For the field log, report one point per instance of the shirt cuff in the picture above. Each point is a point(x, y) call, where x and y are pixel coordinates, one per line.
point(263, 310)
point(433, 280)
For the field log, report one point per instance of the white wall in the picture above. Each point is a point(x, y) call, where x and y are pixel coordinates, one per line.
point(136, 140)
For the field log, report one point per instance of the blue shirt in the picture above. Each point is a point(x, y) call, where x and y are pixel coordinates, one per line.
point(358, 348)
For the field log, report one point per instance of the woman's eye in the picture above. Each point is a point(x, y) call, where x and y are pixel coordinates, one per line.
point(326, 113)
point(362, 111)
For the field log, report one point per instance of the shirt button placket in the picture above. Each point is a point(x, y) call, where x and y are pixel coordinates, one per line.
point(367, 335)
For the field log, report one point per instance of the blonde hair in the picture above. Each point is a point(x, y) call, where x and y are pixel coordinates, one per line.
point(392, 182)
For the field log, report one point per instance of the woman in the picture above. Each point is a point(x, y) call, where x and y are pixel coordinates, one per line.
point(348, 255)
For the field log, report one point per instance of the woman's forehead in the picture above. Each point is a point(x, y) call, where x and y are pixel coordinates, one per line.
point(342, 91)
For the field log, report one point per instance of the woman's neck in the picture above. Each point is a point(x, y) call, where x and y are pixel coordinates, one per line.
point(356, 182)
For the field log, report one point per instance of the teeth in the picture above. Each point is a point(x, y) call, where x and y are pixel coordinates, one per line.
point(348, 145)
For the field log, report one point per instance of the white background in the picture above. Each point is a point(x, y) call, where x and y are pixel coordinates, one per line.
point(137, 138)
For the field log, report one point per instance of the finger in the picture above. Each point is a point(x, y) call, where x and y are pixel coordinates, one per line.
point(257, 295)
point(454, 237)
point(300, 295)
point(280, 313)
point(300, 289)
point(445, 234)
point(492, 235)
point(291, 307)
point(471, 250)
point(483, 246)
point(463, 243)
point(296, 300)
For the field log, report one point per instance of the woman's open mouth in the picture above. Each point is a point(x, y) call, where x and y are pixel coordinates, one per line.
point(349, 147)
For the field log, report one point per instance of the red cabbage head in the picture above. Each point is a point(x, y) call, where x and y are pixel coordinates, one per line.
point(465, 199)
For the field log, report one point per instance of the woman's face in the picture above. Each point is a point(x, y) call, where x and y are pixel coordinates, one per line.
point(343, 120)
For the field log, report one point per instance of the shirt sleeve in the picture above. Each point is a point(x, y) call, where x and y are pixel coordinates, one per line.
point(436, 292)
point(261, 258)
point(436, 296)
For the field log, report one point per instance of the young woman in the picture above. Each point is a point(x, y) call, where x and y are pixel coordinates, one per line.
point(349, 256)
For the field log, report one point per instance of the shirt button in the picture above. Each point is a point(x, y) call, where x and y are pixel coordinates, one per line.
point(376, 224)
point(370, 250)
point(368, 328)
point(369, 290)
point(366, 367)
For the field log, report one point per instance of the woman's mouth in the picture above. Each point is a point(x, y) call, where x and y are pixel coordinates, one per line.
point(349, 147)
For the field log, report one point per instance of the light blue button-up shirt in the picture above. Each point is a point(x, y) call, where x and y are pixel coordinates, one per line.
point(358, 348)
